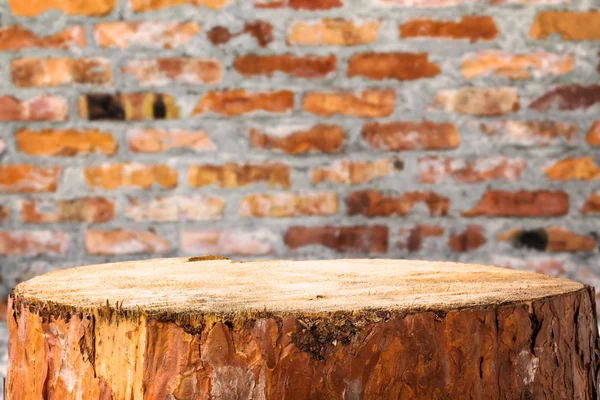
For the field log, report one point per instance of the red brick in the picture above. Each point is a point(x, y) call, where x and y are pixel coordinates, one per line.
point(568, 98)
point(473, 28)
point(593, 134)
point(310, 5)
point(163, 71)
point(22, 178)
point(127, 106)
point(374, 204)
point(120, 241)
point(308, 66)
point(16, 37)
point(234, 175)
point(176, 208)
point(135, 175)
point(139, 6)
point(400, 66)
point(94, 8)
point(570, 25)
point(33, 243)
point(418, 3)
point(548, 266)
point(260, 30)
point(478, 101)
point(89, 209)
point(530, 133)
point(320, 138)
point(235, 243)
point(41, 108)
point(149, 140)
point(398, 136)
point(4, 213)
point(435, 169)
point(333, 32)
point(592, 204)
point(573, 168)
point(538, 203)
point(516, 66)
point(32, 72)
point(68, 142)
point(239, 102)
point(288, 205)
point(367, 103)
point(342, 239)
point(470, 239)
point(355, 172)
point(152, 34)
point(551, 239)
point(412, 239)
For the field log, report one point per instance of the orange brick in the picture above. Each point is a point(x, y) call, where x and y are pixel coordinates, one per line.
point(148, 140)
point(299, 4)
point(153, 5)
point(551, 239)
point(333, 32)
point(567, 98)
point(219, 242)
point(573, 168)
point(435, 169)
point(21, 178)
point(470, 239)
point(478, 101)
point(412, 238)
point(570, 25)
point(400, 66)
point(355, 172)
point(239, 102)
point(15, 38)
point(114, 176)
point(372, 203)
point(398, 136)
point(530, 133)
point(288, 205)
point(473, 28)
point(538, 203)
point(162, 71)
point(592, 204)
point(342, 239)
point(120, 241)
point(34, 8)
point(33, 243)
point(176, 208)
point(367, 103)
point(593, 134)
point(150, 34)
point(67, 142)
point(41, 108)
point(308, 66)
point(296, 140)
point(233, 175)
point(516, 66)
point(89, 209)
point(31, 72)
point(127, 106)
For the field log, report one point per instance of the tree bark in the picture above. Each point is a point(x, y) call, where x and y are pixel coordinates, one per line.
point(207, 328)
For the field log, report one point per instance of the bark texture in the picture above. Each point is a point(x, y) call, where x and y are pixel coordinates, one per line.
point(543, 349)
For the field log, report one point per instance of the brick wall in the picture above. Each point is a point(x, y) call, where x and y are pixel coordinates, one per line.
point(435, 129)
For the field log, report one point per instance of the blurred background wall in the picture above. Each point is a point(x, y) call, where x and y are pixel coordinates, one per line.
point(431, 129)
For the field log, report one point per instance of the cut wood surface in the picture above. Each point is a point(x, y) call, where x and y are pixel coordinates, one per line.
point(207, 327)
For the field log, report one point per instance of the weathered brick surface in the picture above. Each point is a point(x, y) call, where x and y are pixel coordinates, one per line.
point(437, 129)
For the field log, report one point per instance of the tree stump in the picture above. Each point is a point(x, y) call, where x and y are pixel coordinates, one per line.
point(210, 328)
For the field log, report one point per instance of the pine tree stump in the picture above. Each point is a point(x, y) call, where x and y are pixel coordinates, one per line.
point(210, 328)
